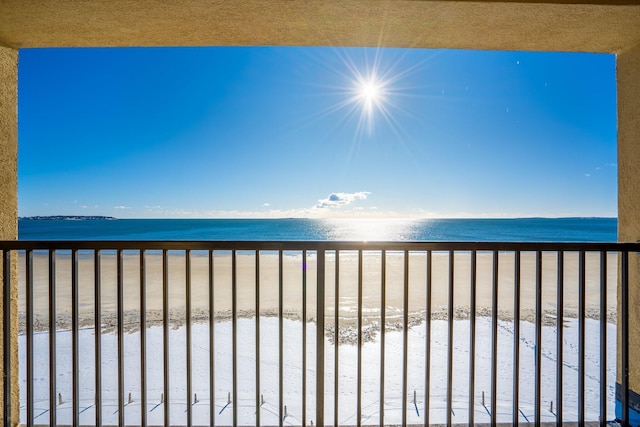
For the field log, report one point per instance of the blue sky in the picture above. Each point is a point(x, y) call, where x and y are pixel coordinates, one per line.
point(315, 132)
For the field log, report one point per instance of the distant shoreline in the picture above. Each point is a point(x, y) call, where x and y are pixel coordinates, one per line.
point(69, 217)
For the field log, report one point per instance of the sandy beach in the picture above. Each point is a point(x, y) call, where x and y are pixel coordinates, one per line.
point(292, 280)
point(270, 335)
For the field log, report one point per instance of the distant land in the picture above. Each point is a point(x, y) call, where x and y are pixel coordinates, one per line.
point(70, 217)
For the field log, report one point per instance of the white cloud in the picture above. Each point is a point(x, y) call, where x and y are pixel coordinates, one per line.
point(120, 207)
point(266, 205)
point(336, 200)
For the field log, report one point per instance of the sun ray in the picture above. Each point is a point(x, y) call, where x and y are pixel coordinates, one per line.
point(369, 86)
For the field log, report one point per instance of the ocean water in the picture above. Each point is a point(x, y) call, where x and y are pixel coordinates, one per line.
point(512, 230)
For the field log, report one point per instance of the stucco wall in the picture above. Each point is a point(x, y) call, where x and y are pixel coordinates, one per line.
point(628, 77)
point(8, 143)
point(9, 193)
point(564, 25)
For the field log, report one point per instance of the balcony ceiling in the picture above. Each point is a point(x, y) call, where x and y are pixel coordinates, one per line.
point(591, 26)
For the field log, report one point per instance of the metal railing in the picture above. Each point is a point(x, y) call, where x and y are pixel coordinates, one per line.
point(367, 333)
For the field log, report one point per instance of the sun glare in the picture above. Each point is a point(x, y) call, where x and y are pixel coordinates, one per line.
point(370, 92)
point(371, 229)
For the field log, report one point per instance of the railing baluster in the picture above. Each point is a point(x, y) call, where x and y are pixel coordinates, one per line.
point(405, 336)
point(6, 337)
point(427, 353)
point(603, 338)
point(75, 347)
point(581, 338)
point(359, 362)
point(97, 310)
point(516, 340)
point(560, 338)
point(165, 335)
point(383, 327)
point(624, 357)
point(234, 336)
point(281, 341)
point(336, 340)
point(451, 318)
point(494, 339)
point(320, 338)
point(538, 348)
point(472, 338)
point(304, 338)
point(188, 338)
point(29, 327)
point(212, 347)
point(52, 339)
point(143, 340)
point(257, 303)
point(120, 304)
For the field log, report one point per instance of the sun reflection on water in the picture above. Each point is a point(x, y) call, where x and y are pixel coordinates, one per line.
point(370, 229)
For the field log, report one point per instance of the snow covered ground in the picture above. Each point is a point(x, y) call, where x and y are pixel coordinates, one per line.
point(292, 390)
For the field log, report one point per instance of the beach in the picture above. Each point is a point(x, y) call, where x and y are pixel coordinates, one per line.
point(292, 276)
point(292, 289)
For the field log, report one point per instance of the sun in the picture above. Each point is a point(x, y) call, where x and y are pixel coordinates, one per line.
point(370, 92)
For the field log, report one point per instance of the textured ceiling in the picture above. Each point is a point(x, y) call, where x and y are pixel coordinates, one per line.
point(592, 26)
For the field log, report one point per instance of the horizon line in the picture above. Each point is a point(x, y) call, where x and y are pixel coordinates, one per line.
point(407, 218)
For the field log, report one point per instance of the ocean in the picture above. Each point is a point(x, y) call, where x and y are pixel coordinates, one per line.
point(511, 230)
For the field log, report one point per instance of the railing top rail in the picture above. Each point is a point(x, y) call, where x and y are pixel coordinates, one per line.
point(313, 245)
